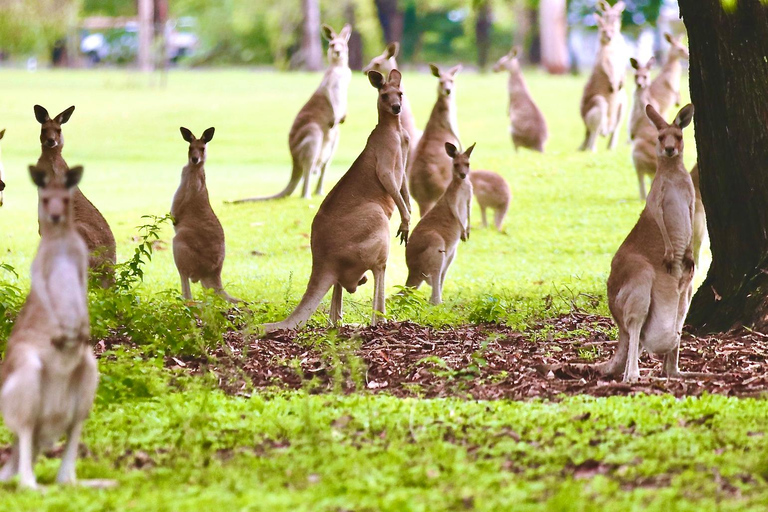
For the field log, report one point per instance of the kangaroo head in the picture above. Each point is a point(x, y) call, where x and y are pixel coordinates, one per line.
point(642, 72)
point(460, 160)
point(197, 147)
point(677, 49)
point(611, 15)
point(390, 95)
point(50, 129)
point(338, 52)
point(385, 62)
point(445, 86)
point(54, 192)
point(607, 30)
point(670, 135)
point(509, 62)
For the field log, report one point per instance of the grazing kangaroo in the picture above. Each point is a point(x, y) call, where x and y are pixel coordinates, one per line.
point(603, 101)
point(434, 240)
point(699, 217)
point(350, 232)
point(384, 64)
point(641, 98)
point(431, 169)
point(665, 88)
point(315, 132)
point(2, 175)
point(89, 222)
point(198, 246)
point(650, 285)
point(49, 375)
point(491, 191)
point(526, 122)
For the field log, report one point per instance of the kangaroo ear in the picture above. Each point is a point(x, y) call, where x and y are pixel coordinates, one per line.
point(603, 6)
point(2, 185)
point(619, 7)
point(328, 32)
point(655, 117)
point(2, 133)
point(685, 116)
point(64, 116)
point(208, 135)
point(435, 70)
point(346, 32)
point(39, 176)
point(41, 114)
point(515, 51)
point(394, 78)
point(651, 62)
point(633, 62)
point(668, 37)
point(469, 149)
point(451, 150)
point(599, 21)
point(392, 50)
point(455, 69)
point(186, 134)
point(73, 176)
point(376, 79)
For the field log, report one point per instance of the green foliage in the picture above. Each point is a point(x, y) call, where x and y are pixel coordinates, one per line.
point(11, 300)
point(130, 273)
point(32, 26)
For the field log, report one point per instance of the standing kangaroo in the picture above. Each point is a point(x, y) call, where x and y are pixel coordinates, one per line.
point(198, 247)
point(641, 98)
point(650, 285)
point(644, 134)
point(491, 191)
point(384, 64)
point(431, 169)
point(49, 375)
point(434, 240)
point(603, 101)
point(2, 175)
point(315, 132)
point(699, 216)
point(350, 232)
point(89, 222)
point(665, 88)
point(526, 122)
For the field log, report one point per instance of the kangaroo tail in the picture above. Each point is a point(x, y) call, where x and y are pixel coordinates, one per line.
point(296, 174)
point(318, 286)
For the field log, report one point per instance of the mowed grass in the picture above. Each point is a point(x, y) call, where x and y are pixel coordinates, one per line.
point(176, 443)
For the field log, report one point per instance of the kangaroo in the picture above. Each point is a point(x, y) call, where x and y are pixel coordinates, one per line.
point(433, 243)
point(198, 246)
point(526, 122)
point(350, 232)
point(645, 133)
point(49, 375)
point(650, 284)
point(384, 64)
point(315, 132)
point(641, 98)
point(699, 216)
point(491, 191)
point(431, 170)
point(89, 222)
point(603, 101)
point(665, 88)
point(2, 175)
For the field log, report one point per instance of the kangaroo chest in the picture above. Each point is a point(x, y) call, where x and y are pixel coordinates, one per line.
point(336, 85)
point(677, 205)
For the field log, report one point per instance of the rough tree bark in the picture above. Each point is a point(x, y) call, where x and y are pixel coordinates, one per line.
point(483, 25)
point(355, 44)
point(391, 18)
point(553, 27)
point(728, 77)
point(311, 49)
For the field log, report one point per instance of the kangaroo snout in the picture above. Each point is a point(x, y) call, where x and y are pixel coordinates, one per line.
point(396, 108)
point(670, 150)
point(195, 159)
point(51, 143)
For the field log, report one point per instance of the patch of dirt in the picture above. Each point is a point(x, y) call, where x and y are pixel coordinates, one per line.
point(478, 361)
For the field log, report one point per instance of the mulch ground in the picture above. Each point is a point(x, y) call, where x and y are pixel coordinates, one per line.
point(477, 361)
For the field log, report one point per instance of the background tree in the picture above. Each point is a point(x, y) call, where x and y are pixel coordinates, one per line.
point(483, 26)
point(311, 48)
point(554, 35)
point(728, 75)
point(392, 19)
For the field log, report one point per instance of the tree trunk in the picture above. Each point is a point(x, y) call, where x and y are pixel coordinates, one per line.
point(355, 43)
point(146, 12)
point(728, 77)
point(553, 29)
point(483, 32)
point(391, 19)
point(311, 48)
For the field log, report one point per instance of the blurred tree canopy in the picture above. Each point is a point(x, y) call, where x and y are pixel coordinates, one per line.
point(33, 26)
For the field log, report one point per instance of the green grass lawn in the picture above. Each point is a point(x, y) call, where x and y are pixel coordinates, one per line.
point(177, 443)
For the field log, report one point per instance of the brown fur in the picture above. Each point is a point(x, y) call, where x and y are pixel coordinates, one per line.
point(314, 134)
point(699, 216)
point(49, 374)
point(641, 98)
point(431, 170)
point(384, 64)
point(491, 191)
point(665, 88)
point(198, 247)
point(350, 232)
point(526, 122)
point(650, 285)
point(645, 133)
point(433, 244)
point(89, 222)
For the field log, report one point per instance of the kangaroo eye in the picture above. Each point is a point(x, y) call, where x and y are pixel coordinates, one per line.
point(45, 201)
